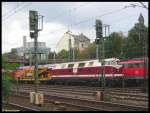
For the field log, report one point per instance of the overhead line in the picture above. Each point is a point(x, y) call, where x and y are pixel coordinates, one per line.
point(88, 19)
point(9, 12)
point(70, 10)
point(17, 11)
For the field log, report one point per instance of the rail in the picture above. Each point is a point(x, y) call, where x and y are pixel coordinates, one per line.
point(19, 107)
point(101, 105)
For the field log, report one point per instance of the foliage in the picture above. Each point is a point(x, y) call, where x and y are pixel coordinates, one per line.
point(12, 66)
point(64, 55)
point(135, 42)
point(116, 45)
point(113, 45)
point(7, 82)
point(88, 53)
point(8, 66)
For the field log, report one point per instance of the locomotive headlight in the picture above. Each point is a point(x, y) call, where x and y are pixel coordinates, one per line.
point(136, 72)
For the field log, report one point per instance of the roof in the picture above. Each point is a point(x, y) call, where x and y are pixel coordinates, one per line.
point(131, 61)
point(80, 37)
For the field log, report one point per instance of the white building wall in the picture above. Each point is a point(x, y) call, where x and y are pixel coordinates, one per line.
point(64, 43)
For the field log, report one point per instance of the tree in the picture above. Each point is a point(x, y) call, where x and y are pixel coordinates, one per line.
point(135, 42)
point(64, 55)
point(8, 66)
point(7, 82)
point(88, 53)
point(113, 45)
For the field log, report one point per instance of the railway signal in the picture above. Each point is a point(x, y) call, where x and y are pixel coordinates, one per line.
point(99, 29)
point(33, 23)
point(100, 42)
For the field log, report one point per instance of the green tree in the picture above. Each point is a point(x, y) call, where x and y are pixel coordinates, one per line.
point(8, 66)
point(113, 45)
point(64, 55)
point(7, 79)
point(7, 83)
point(135, 42)
point(88, 53)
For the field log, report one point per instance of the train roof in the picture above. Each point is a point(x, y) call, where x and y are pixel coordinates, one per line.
point(95, 62)
point(89, 63)
point(131, 61)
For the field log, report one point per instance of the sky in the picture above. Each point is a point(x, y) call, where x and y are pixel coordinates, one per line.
point(59, 17)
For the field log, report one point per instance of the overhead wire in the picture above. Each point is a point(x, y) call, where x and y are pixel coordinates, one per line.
point(83, 21)
point(24, 6)
point(10, 11)
point(70, 10)
point(78, 23)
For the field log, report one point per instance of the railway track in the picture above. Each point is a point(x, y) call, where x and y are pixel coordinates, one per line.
point(82, 88)
point(88, 89)
point(91, 93)
point(86, 104)
point(16, 107)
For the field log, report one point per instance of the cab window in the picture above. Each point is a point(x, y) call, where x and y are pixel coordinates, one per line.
point(141, 65)
point(125, 65)
point(90, 63)
point(63, 66)
point(81, 64)
point(70, 65)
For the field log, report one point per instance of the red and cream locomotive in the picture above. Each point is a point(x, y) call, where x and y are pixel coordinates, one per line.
point(87, 71)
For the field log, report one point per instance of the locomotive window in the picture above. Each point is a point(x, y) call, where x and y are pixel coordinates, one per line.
point(113, 63)
point(109, 62)
point(130, 65)
point(90, 63)
point(63, 65)
point(125, 65)
point(134, 65)
point(81, 65)
point(141, 65)
point(70, 65)
point(137, 65)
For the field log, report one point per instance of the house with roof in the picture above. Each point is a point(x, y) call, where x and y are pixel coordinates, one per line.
point(79, 42)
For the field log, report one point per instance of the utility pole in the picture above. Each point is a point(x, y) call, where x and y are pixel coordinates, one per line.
point(144, 48)
point(54, 57)
point(24, 49)
point(146, 59)
point(97, 52)
point(70, 48)
point(99, 42)
point(30, 57)
point(73, 58)
point(108, 30)
point(101, 49)
point(33, 22)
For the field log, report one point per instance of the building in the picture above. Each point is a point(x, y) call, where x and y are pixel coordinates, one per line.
point(79, 42)
point(27, 50)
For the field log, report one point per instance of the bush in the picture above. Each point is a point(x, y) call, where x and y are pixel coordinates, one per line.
point(6, 85)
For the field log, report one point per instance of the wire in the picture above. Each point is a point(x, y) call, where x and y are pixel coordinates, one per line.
point(143, 5)
point(8, 17)
point(88, 20)
point(69, 11)
point(9, 12)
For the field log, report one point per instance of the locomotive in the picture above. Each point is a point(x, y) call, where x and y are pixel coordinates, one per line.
point(85, 72)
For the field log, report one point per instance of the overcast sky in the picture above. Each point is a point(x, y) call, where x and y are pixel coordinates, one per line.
point(78, 17)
